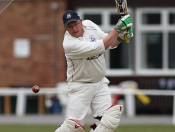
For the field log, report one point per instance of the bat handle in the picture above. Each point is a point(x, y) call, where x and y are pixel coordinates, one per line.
point(126, 39)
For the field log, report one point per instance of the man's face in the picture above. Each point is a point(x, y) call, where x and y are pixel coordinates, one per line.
point(75, 28)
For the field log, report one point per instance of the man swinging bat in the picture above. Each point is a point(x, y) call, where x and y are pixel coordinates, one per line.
point(84, 46)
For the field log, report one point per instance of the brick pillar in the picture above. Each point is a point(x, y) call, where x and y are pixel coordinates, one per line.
point(7, 105)
point(41, 104)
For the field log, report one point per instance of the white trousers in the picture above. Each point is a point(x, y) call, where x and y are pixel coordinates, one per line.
point(83, 96)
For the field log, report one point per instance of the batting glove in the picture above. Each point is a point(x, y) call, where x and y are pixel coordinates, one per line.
point(128, 32)
point(123, 23)
point(121, 35)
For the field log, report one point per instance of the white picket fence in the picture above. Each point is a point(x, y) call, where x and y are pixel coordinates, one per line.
point(129, 101)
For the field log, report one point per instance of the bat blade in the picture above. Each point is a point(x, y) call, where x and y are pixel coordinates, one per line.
point(122, 9)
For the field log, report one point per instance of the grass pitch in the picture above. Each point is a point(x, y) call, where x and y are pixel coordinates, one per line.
point(121, 128)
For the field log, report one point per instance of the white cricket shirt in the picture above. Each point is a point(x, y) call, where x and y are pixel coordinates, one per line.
point(85, 55)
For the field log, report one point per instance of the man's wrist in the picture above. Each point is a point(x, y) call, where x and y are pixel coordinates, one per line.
point(119, 39)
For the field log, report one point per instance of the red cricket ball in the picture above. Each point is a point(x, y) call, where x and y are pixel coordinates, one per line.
point(35, 88)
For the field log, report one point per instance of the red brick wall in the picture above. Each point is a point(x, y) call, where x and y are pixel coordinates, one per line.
point(31, 20)
point(74, 4)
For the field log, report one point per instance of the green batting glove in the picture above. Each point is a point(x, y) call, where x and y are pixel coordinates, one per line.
point(130, 32)
point(123, 23)
point(121, 35)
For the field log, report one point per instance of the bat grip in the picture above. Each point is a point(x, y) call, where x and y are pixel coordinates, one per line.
point(126, 39)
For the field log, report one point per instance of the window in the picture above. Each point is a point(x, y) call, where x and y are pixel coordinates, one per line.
point(113, 18)
point(150, 57)
point(119, 60)
point(153, 50)
point(155, 42)
point(171, 50)
point(171, 18)
point(96, 18)
point(151, 18)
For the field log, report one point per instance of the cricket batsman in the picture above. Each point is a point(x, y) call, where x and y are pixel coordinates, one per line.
point(84, 45)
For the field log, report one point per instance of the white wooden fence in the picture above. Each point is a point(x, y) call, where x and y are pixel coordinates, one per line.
point(129, 101)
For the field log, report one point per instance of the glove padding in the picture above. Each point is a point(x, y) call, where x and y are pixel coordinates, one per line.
point(121, 35)
point(123, 23)
point(128, 32)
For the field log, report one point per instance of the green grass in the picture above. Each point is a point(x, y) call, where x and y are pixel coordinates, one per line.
point(121, 128)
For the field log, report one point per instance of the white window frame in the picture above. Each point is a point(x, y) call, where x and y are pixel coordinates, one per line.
point(163, 27)
point(107, 27)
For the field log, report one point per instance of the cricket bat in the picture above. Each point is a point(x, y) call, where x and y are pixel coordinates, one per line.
point(142, 97)
point(134, 86)
point(122, 9)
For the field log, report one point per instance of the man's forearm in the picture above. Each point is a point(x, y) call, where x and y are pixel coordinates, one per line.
point(110, 38)
point(115, 43)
